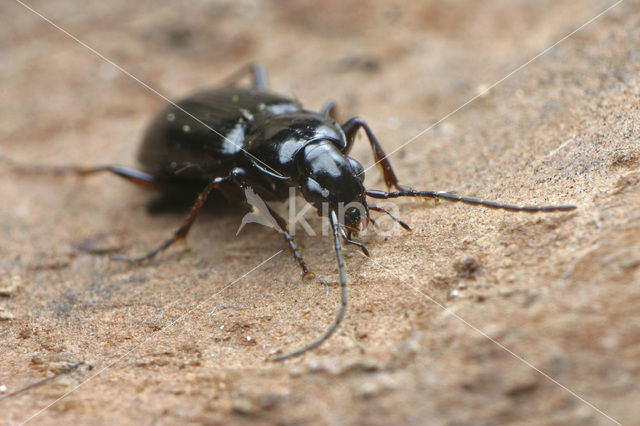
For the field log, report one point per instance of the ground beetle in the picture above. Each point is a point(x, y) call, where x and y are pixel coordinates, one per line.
point(233, 137)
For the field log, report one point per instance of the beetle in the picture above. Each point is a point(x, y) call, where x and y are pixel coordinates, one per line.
point(250, 138)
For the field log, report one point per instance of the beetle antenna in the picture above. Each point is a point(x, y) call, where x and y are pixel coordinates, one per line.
point(343, 301)
point(467, 200)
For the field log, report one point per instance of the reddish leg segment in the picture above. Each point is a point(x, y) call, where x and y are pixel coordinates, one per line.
point(181, 232)
point(350, 129)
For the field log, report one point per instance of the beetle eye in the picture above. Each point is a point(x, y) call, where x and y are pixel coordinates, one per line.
point(358, 170)
point(352, 217)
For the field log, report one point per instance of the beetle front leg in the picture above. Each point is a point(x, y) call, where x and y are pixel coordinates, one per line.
point(241, 178)
point(350, 129)
point(293, 246)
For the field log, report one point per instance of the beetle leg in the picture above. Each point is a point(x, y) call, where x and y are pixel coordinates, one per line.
point(449, 196)
point(177, 198)
point(181, 232)
point(293, 246)
point(128, 173)
point(258, 73)
point(330, 110)
point(350, 129)
point(131, 174)
point(240, 177)
point(348, 240)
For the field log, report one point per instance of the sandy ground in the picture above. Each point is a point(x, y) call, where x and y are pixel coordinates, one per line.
point(542, 322)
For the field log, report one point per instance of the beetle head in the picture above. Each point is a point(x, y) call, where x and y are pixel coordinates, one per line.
point(332, 181)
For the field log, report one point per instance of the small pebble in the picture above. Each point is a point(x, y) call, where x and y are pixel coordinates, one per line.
point(467, 267)
point(369, 390)
point(6, 315)
point(376, 386)
point(316, 366)
point(3, 388)
point(244, 406)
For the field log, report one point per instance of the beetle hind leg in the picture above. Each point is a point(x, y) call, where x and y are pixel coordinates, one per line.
point(132, 175)
point(259, 80)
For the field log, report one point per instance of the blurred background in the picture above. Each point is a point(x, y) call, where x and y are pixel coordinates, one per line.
point(559, 290)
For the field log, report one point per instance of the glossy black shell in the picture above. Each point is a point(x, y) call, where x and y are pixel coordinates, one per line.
point(256, 130)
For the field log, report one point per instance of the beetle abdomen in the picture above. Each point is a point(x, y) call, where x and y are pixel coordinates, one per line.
point(207, 141)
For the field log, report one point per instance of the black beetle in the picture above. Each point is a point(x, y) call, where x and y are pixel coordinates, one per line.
point(233, 137)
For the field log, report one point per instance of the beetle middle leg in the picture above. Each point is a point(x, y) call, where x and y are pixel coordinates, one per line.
point(181, 232)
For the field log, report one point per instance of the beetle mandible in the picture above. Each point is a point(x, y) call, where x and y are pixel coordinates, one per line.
point(251, 138)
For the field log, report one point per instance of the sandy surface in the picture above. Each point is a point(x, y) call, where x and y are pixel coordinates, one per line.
point(560, 291)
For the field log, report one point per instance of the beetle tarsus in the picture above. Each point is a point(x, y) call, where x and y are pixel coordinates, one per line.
point(149, 255)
